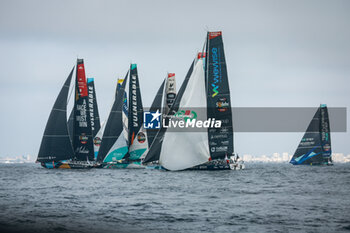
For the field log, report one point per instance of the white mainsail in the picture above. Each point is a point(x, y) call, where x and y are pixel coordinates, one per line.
point(182, 150)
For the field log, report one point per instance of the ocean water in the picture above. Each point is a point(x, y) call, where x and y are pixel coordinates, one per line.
point(263, 198)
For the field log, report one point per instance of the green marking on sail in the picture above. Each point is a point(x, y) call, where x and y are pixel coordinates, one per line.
point(136, 154)
point(133, 66)
point(117, 154)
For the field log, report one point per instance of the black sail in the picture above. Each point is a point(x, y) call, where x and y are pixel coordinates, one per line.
point(94, 115)
point(82, 133)
point(325, 133)
point(315, 146)
point(114, 125)
point(56, 144)
point(135, 105)
point(155, 148)
point(218, 97)
point(156, 106)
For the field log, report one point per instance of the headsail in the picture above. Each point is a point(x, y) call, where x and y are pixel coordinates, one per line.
point(155, 148)
point(114, 124)
point(82, 133)
point(56, 144)
point(315, 146)
point(182, 150)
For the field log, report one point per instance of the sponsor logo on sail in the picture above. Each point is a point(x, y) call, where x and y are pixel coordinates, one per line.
point(141, 137)
point(97, 141)
point(83, 138)
point(327, 147)
point(222, 104)
point(216, 72)
point(134, 102)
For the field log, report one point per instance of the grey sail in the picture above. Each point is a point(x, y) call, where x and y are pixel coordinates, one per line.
point(56, 144)
point(156, 106)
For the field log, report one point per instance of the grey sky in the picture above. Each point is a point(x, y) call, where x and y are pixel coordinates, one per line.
point(279, 53)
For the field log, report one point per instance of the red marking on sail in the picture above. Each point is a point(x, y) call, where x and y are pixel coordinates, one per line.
point(214, 34)
point(171, 75)
point(201, 55)
point(188, 112)
point(132, 138)
point(82, 86)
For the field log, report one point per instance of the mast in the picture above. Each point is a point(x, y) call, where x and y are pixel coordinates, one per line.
point(56, 144)
point(218, 97)
point(82, 132)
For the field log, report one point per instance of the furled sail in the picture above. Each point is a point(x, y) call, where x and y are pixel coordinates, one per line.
point(56, 144)
point(315, 146)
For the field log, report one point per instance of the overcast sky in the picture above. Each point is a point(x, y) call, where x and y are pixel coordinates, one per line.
point(279, 54)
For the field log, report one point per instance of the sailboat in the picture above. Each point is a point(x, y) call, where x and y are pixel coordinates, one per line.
point(58, 148)
point(205, 87)
point(315, 146)
point(163, 101)
point(124, 141)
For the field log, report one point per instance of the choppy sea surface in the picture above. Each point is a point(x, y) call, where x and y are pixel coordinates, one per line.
point(266, 197)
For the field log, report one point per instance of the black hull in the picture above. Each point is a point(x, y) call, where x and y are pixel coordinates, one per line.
point(213, 165)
